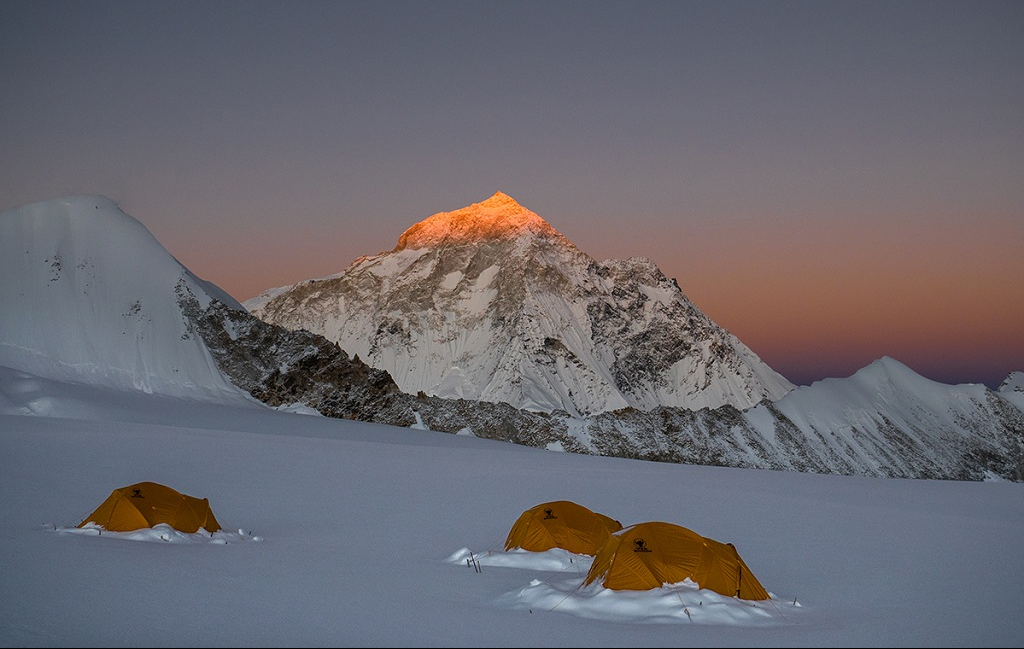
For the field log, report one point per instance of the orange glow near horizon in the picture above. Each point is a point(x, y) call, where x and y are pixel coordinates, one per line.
point(925, 295)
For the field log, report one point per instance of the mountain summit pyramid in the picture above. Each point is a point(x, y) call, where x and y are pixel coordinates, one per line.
point(491, 303)
point(498, 217)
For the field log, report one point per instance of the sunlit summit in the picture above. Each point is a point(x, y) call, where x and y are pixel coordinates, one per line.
point(500, 216)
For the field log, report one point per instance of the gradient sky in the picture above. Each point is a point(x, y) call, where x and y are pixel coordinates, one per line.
point(831, 181)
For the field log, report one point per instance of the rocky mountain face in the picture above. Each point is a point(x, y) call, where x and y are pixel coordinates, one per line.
point(490, 303)
point(280, 367)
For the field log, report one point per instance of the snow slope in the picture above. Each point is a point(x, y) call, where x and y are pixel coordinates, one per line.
point(345, 533)
point(89, 296)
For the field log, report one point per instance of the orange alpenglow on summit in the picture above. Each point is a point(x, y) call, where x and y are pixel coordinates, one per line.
point(498, 217)
point(561, 524)
point(146, 504)
point(651, 555)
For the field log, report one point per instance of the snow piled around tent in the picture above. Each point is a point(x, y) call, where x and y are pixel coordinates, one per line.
point(560, 589)
point(160, 533)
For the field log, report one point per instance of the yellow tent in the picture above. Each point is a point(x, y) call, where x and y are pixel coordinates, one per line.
point(146, 504)
point(561, 524)
point(650, 555)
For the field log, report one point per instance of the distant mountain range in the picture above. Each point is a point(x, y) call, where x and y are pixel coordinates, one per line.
point(612, 358)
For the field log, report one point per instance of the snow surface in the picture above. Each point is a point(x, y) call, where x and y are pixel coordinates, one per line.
point(344, 533)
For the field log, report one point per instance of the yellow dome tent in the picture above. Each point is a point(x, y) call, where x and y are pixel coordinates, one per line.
point(146, 504)
point(650, 555)
point(561, 524)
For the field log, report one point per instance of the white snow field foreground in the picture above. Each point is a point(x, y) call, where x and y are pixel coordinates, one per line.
point(340, 533)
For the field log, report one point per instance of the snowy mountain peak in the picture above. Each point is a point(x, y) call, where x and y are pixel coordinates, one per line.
point(89, 295)
point(500, 200)
point(490, 303)
point(498, 217)
point(1014, 382)
point(886, 367)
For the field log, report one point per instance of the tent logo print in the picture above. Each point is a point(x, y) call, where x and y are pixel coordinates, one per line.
point(137, 493)
point(549, 513)
point(640, 545)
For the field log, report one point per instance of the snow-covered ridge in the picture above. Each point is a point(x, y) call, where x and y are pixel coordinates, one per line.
point(886, 419)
